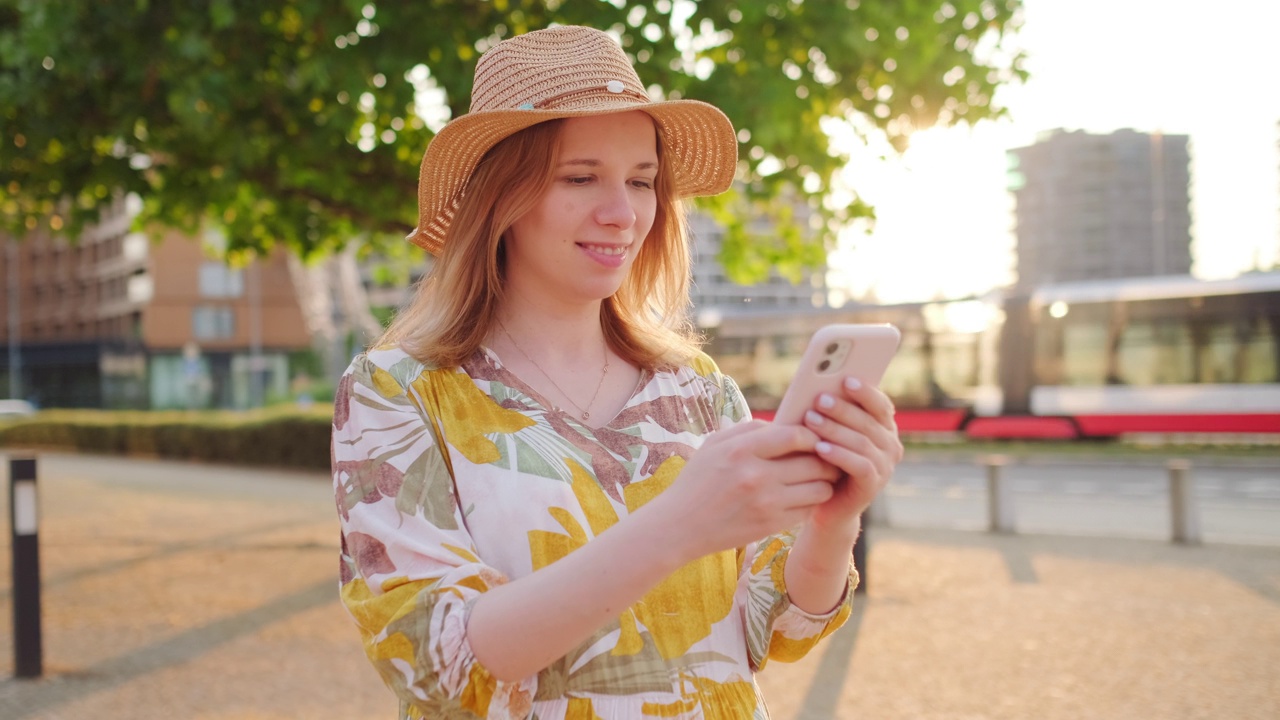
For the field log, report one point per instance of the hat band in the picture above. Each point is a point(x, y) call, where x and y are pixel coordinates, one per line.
point(556, 102)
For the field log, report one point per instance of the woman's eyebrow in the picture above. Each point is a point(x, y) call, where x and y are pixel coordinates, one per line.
point(586, 162)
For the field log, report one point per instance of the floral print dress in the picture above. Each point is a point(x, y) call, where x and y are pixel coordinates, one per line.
point(451, 481)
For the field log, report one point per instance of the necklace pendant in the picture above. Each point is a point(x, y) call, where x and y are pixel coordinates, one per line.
point(586, 416)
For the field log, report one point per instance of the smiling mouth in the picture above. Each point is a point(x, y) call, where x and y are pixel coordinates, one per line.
point(605, 249)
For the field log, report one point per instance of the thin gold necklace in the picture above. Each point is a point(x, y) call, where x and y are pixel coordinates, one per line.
point(585, 413)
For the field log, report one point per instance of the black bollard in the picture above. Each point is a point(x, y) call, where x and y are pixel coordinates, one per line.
point(860, 558)
point(24, 516)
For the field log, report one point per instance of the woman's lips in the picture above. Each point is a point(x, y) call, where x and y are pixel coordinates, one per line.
point(608, 255)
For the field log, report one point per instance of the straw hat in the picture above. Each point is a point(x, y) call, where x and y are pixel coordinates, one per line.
point(557, 73)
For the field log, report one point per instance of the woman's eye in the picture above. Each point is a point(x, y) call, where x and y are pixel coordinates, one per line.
point(643, 183)
point(580, 180)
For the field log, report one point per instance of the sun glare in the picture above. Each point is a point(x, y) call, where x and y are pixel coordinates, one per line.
point(945, 215)
point(941, 229)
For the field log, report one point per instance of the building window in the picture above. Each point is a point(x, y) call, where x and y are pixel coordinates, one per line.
point(210, 322)
point(219, 281)
point(140, 288)
point(134, 247)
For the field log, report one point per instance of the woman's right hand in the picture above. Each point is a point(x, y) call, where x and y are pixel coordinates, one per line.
point(744, 483)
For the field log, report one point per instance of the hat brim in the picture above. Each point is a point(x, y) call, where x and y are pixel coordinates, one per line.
point(698, 138)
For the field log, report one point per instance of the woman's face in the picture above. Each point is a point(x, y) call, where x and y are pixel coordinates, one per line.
point(578, 242)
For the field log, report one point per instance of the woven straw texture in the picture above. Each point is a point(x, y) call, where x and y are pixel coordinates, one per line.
point(557, 73)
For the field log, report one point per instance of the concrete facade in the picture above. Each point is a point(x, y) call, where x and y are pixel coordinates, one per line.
point(1101, 206)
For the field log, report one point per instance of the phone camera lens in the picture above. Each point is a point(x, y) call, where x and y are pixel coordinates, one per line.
point(822, 366)
point(831, 348)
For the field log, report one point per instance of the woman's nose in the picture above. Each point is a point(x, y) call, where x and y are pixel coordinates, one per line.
point(615, 207)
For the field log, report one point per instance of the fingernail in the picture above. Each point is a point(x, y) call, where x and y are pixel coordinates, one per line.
point(813, 418)
point(823, 447)
point(826, 401)
point(852, 383)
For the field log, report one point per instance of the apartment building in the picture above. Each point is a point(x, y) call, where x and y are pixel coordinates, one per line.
point(713, 289)
point(119, 319)
point(1101, 206)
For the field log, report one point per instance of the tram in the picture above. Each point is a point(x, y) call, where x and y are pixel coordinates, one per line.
point(1094, 359)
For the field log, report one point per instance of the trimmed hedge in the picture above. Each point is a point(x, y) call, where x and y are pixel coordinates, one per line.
point(292, 438)
point(269, 438)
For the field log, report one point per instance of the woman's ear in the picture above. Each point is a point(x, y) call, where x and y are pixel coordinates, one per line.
point(500, 255)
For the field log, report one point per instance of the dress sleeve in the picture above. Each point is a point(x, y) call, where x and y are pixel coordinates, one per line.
point(775, 628)
point(409, 569)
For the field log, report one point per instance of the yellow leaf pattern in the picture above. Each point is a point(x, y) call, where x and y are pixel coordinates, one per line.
point(629, 640)
point(581, 709)
point(467, 414)
point(718, 701)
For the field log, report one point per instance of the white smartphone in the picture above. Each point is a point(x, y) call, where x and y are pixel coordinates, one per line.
point(834, 353)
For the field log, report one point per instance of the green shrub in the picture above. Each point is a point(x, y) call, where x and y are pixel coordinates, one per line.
point(281, 438)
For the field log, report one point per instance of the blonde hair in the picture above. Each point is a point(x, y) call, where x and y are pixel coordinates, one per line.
point(456, 304)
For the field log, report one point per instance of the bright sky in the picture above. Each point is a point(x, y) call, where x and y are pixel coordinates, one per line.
point(1208, 70)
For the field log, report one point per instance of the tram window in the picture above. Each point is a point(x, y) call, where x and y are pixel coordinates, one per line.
point(792, 345)
point(904, 381)
point(955, 369)
point(1048, 353)
point(764, 366)
point(1084, 354)
point(1259, 356)
point(1156, 353)
point(1218, 356)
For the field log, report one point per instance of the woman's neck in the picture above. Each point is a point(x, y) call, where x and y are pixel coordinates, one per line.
point(550, 332)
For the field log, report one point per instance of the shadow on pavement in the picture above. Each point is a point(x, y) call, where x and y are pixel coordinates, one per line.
point(25, 698)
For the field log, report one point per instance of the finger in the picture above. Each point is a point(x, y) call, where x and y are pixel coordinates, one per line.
point(871, 399)
point(742, 428)
point(859, 467)
point(776, 441)
point(836, 413)
point(795, 518)
point(882, 449)
point(805, 495)
point(840, 434)
point(867, 398)
point(804, 467)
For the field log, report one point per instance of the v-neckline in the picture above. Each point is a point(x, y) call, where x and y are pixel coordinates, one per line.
point(494, 359)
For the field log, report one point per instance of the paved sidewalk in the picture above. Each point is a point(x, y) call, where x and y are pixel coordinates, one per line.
point(197, 592)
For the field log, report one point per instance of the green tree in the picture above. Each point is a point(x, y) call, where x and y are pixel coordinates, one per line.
point(302, 122)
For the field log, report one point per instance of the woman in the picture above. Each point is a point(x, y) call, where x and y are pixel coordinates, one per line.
point(552, 504)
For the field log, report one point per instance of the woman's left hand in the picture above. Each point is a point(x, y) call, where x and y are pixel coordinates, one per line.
point(858, 436)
